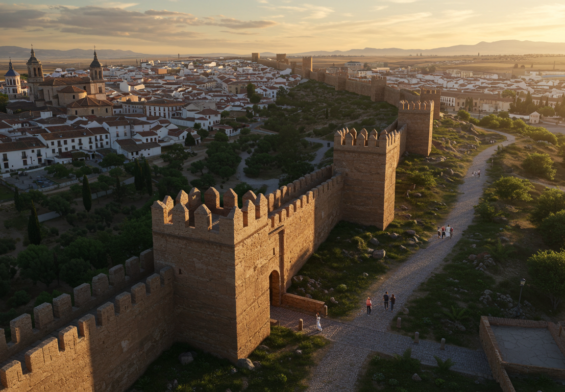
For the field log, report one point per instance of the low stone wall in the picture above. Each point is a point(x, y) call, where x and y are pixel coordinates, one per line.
point(500, 368)
point(303, 303)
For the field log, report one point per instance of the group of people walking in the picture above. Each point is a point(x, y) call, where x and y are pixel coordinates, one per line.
point(476, 173)
point(386, 300)
point(443, 232)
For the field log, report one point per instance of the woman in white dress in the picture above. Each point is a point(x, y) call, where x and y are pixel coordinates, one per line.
point(318, 324)
point(448, 231)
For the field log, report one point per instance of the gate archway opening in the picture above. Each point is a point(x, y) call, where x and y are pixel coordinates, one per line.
point(275, 288)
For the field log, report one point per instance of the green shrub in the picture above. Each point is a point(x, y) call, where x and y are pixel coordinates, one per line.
point(553, 230)
point(423, 179)
point(341, 288)
point(378, 377)
point(439, 382)
point(392, 382)
point(550, 201)
point(513, 188)
point(485, 211)
point(19, 298)
point(540, 165)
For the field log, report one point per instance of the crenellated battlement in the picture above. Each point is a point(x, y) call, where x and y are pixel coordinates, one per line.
point(423, 107)
point(428, 91)
point(375, 143)
point(298, 205)
point(48, 318)
point(90, 342)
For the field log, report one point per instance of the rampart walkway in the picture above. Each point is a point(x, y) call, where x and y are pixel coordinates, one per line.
point(354, 340)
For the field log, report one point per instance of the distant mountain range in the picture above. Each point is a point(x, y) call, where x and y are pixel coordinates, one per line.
point(484, 48)
point(15, 52)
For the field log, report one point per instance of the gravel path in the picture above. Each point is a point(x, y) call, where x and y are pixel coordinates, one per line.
point(340, 367)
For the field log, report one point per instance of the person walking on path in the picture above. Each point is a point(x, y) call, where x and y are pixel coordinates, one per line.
point(392, 301)
point(438, 232)
point(442, 232)
point(448, 232)
point(451, 232)
point(318, 322)
point(385, 298)
point(369, 304)
point(479, 173)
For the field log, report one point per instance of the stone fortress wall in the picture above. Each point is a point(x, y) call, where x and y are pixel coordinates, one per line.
point(105, 349)
point(220, 268)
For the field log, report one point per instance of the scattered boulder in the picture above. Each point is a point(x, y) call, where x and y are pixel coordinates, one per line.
point(472, 257)
point(394, 236)
point(504, 239)
point(365, 275)
point(257, 364)
point(264, 348)
point(245, 363)
point(417, 194)
point(308, 296)
point(298, 352)
point(410, 232)
point(374, 241)
point(233, 371)
point(185, 358)
point(415, 377)
point(379, 254)
point(403, 207)
point(333, 301)
point(407, 216)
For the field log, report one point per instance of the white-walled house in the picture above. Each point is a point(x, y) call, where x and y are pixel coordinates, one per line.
point(23, 153)
point(132, 150)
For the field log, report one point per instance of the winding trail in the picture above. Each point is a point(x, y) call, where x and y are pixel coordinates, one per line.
point(354, 340)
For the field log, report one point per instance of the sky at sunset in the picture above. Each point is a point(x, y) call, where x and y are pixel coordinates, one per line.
point(287, 26)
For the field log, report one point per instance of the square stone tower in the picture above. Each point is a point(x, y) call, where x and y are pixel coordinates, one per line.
point(418, 117)
point(255, 57)
point(369, 163)
point(307, 64)
point(432, 95)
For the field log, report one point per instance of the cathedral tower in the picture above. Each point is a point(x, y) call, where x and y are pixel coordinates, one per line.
point(96, 69)
point(98, 85)
point(35, 76)
point(13, 87)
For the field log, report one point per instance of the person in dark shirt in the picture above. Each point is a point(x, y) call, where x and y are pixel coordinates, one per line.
point(385, 298)
point(392, 301)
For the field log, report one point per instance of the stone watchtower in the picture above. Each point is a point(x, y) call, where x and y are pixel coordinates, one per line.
point(35, 76)
point(255, 57)
point(432, 95)
point(378, 86)
point(13, 86)
point(418, 118)
point(307, 64)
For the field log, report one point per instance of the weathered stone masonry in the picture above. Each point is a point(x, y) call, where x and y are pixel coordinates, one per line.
point(220, 267)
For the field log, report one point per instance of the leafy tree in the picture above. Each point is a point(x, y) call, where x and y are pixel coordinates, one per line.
point(88, 249)
point(250, 90)
point(547, 111)
point(553, 229)
point(148, 179)
point(75, 272)
point(136, 235)
point(86, 195)
point(547, 269)
point(7, 273)
point(58, 170)
point(119, 190)
point(18, 202)
point(105, 215)
point(541, 133)
point(505, 123)
point(33, 229)
point(463, 115)
point(76, 190)
point(503, 115)
point(540, 165)
point(197, 167)
point(19, 298)
point(36, 262)
point(59, 205)
point(225, 114)
point(172, 183)
point(202, 133)
point(485, 211)
point(3, 102)
point(221, 137)
point(519, 124)
point(113, 159)
point(138, 176)
point(176, 156)
point(116, 172)
point(509, 93)
point(189, 141)
point(245, 131)
point(513, 188)
point(255, 98)
point(550, 201)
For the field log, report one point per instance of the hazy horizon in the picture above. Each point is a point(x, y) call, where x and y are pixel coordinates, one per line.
point(287, 26)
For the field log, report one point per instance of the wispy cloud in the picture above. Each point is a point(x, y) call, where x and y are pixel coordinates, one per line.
point(313, 11)
point(379, 7)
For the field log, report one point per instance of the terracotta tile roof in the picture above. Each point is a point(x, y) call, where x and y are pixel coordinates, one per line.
point(89, 102)
point(71, 89)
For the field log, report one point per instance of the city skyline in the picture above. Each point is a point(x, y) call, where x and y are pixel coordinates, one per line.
point(282, 26)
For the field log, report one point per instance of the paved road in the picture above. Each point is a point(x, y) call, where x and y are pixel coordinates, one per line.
point(353, 340)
